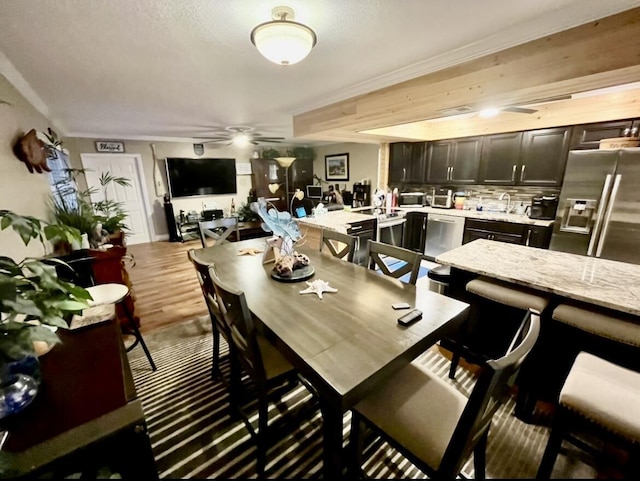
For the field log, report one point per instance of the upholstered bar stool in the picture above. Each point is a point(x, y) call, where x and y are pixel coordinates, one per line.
point(439, 279)
point(599, 403)
point(113, 293)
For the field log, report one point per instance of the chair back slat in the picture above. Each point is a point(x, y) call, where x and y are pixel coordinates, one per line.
point(379, 255)
point(218, 230)
point(489, 393)
point(239, 322)
point(338, 244)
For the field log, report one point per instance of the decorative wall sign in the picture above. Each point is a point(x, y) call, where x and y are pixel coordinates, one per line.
point(198, 149)
point(110, 146)
point(243, 168)
point(336, 167)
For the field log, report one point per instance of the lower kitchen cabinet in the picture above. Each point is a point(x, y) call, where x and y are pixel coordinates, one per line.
point(513, 233)
point(415, 231)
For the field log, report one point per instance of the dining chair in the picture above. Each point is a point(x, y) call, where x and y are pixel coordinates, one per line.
point(218, 327)
point(598, 407)
point(393, 261)
point(252, 352)
point(338, 244)
point(218, 230)
point(432, 423)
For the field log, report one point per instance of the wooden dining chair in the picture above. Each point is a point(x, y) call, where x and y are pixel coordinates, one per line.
point(338, 244)
point(218, 230)
point(431, 422)
point(218, 327)
point(269, 370)
point(393, 261)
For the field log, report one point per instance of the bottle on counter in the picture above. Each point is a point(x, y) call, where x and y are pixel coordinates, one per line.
point(232, 211)
point(479, 205)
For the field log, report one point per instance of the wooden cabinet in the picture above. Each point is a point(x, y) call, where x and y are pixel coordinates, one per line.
point(407, 162)
point(500, 158)
point(588, 136)
point(511, 232)
point(415, 231)
point(543, 156)
point(454, 161)
point(300, 174)
point(264, 173)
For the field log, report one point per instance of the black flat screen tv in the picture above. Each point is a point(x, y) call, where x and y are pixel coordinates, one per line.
point(194, 177)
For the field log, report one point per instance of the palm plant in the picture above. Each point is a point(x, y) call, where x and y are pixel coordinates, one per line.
point(111, 213)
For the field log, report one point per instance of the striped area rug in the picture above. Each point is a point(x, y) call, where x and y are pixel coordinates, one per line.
point(194, 435)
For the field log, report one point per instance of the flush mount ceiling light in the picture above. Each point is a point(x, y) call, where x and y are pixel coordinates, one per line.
point(282, 40)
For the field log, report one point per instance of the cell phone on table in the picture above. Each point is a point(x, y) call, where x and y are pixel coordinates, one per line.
point(401, 305)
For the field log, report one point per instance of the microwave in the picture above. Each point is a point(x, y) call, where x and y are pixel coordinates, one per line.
point(442, 198)
point(412, 199)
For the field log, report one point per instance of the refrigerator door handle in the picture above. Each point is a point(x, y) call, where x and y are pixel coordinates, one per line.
point(603, 202)
point(607, 218)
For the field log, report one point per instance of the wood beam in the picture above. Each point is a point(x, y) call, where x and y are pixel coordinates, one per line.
point(598, 54)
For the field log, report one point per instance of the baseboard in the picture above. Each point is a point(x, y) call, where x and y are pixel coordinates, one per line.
point(160, 238)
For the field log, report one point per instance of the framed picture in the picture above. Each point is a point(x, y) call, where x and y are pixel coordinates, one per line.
point(336, 167)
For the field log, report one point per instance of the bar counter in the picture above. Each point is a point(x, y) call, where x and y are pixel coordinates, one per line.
point(610, 284)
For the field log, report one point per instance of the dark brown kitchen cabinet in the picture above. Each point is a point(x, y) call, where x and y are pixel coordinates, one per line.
point(267, 172)
point(511, 232)
point(407, 162)
point(500, 158)
point(415, 231)
point(454, 161)
point(300, 174)
point(543, 157)
point(588, 136)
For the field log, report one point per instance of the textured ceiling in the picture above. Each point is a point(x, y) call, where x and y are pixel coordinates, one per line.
point(170, 69)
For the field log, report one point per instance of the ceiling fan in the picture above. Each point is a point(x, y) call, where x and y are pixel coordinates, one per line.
point(241, 135)
point(525, 108)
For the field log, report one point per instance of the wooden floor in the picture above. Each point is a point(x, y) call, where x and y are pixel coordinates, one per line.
point(164, 284)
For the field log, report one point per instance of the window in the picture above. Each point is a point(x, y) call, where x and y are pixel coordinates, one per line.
point(63, 187)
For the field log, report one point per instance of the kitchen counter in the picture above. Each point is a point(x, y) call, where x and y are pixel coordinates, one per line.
point(610, 284)
point(336, 220)
point(486, 215)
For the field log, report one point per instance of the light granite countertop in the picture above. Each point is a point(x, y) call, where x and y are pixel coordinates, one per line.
point(338, 219)
point(611, 284)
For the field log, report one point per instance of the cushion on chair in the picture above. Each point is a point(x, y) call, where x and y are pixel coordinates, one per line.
point(418, 409)
point(605, 393)
point(508, 294)
point(111, 293)
point(274, 362)
point(615, 328)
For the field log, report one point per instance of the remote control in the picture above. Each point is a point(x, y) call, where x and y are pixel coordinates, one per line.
point(410, 317)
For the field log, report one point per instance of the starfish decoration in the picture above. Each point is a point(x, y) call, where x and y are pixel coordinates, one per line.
point(318, 286)
point(251, 251)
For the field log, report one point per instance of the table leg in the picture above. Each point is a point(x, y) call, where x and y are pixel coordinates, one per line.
point(332, 455)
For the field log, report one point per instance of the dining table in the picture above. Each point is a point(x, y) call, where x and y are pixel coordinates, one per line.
point(345, 343)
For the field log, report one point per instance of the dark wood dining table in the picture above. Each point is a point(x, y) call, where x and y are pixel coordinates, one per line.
point(345, 344)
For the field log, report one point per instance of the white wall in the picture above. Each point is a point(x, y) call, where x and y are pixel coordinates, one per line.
point(363, 162)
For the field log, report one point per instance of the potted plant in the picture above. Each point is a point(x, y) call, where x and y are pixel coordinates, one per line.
point(32, 298)
point(111, 213)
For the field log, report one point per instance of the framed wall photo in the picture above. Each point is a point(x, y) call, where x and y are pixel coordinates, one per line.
point(336, 167)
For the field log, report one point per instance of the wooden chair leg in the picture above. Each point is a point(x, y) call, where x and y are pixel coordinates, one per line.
point(215, 364)
point(261, 441)
point(553, 448)
point(137, 334)
point(356, 446)
point(480, 457)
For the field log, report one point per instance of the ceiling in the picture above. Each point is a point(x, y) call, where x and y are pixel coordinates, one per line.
point(179, 70)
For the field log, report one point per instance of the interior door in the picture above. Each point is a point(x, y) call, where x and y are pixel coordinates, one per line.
point(121, 165)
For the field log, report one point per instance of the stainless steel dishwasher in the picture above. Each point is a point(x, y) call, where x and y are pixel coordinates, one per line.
point(444, 232)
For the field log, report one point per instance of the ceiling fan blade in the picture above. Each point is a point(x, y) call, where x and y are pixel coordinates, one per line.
point(519, 110)
point(259, 137)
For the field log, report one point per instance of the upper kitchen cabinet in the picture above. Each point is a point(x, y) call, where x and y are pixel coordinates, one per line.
point(407, 162)
point(543, 156)
point(588, 136)
point(500, 157)
point(454, 161)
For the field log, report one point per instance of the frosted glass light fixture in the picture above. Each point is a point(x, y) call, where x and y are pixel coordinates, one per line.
point(282, 40)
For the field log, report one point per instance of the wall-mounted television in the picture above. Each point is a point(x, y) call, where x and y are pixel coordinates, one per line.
point(193, 177)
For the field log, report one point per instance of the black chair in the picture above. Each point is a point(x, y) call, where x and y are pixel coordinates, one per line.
point(381, 256)
point(251, 351)
point(598, 405)
point(430, 422)
point(218, 326)
point(338, 244)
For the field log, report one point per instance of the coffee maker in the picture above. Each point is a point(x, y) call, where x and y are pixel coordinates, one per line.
point(543, 207)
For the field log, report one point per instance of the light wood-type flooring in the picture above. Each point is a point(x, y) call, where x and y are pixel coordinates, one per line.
point(164, 284)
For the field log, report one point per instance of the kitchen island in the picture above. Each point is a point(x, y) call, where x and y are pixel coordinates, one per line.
point(610, 284)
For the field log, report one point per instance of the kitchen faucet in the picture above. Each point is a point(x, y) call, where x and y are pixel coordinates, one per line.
point(509, 206)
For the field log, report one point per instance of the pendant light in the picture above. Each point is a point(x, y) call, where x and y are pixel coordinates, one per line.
point(282, 40)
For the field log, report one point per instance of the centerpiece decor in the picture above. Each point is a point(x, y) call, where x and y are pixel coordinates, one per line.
point(290, 266)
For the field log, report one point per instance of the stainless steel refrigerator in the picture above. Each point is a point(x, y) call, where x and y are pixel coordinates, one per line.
point(599, 207)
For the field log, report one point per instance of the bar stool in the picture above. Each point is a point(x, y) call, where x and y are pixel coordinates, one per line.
point(440, 277)
point(113, 293)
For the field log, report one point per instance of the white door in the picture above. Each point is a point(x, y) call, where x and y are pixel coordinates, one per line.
point(132, 198)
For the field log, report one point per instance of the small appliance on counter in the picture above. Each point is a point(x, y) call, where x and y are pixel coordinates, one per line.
point(442, 198)
point(543, 207)
point(413, 199)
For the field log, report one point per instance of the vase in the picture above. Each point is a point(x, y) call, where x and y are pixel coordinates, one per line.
point(16, 393)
